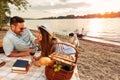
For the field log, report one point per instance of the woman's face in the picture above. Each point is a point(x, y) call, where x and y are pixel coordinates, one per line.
point(39, 35)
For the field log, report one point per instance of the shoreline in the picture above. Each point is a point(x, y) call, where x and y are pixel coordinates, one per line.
point(96, 61)
point(102, 41)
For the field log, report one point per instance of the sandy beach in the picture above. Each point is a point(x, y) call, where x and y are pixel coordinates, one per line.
point(99, 61)
point(96, 61)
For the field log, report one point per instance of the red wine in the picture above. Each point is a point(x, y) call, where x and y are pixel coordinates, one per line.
point(32, 53)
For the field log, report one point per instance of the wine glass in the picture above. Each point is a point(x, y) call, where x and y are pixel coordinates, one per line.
point(32, 53)
point(35, 48)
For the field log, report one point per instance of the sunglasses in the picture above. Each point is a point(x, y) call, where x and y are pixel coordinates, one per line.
point(21, 29)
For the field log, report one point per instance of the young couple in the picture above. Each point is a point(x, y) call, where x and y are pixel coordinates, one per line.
point(18, 40)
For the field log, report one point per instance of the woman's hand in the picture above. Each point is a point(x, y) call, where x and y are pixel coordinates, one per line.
point(35, 60)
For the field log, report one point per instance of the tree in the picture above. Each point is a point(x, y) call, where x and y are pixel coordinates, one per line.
point(5, 9)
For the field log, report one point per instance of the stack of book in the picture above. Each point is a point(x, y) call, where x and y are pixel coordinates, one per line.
point(20, 66)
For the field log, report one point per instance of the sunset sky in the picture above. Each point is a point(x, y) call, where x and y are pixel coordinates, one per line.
point(47, 8)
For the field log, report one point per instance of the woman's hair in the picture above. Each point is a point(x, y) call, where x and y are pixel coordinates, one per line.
point(46, 42)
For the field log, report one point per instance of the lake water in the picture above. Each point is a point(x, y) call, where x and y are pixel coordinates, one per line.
point(104, 30)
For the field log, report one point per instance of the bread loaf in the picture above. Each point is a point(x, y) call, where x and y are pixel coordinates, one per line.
point(44, 61)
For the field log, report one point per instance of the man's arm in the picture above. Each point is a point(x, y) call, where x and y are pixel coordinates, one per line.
point(20, 54)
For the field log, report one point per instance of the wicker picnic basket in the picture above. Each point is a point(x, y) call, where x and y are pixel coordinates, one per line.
point(62, 58)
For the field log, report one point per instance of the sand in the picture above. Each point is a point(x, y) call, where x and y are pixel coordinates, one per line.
point(96, 61)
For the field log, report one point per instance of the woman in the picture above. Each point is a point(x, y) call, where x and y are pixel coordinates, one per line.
point(44, 37)
point(46, 40)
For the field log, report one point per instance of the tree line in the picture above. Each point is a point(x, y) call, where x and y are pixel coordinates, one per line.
point(105, 15)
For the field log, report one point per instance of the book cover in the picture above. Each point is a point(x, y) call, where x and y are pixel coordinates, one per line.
point(20, 65)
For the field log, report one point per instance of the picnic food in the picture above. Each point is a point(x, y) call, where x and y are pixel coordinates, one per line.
point(57, 67)
point(44, 61)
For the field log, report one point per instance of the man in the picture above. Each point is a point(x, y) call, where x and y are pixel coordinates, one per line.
point(18, 39)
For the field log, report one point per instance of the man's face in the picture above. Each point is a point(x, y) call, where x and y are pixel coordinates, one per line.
point(18, 28)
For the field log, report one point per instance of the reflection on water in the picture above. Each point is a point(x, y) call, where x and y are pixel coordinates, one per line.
point(104, 30)
point(93, 27)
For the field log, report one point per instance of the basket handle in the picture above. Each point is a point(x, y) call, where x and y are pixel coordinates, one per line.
point(76, 54)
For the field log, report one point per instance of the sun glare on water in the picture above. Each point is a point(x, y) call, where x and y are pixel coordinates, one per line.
point(94, 27)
